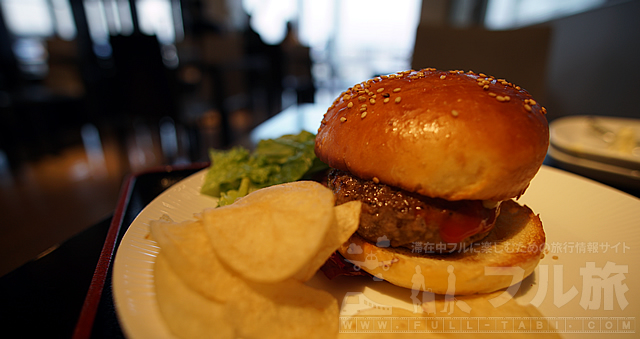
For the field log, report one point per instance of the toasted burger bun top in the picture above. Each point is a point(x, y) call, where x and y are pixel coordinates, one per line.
point(443, 134)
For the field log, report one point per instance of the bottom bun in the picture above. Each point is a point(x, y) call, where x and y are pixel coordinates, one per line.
point(511, 251)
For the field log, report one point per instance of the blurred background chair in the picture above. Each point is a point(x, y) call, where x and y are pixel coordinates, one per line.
point(520, 56)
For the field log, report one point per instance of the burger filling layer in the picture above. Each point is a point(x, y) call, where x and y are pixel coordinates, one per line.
point(406, 219)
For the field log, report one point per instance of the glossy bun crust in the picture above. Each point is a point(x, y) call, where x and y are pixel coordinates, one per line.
point(446, 134)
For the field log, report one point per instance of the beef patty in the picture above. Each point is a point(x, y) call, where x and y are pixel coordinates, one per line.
point(408, 219)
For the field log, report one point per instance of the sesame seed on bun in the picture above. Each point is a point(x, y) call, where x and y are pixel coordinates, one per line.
point(436, 157)
point(447, 134)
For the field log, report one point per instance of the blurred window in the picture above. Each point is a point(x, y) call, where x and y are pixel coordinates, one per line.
point(350, 40)
point(28, 18)
point(509, 14)
point(374, 38)
point(97, 21)
point(269, 17)
point(39, 18)
point(160, 18)
point(64, 22)
point(108, 17)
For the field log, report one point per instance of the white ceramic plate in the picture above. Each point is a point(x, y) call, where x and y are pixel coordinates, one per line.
point(603, 172)
point(585, 222)
point(579, 136)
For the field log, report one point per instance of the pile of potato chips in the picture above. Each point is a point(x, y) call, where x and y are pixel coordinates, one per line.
point(239, 270)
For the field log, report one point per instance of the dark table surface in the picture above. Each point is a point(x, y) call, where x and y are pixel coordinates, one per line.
point(44, 297)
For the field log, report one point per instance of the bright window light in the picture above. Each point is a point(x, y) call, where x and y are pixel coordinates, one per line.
point(318, 23)
point(28, 18)
point(510, 14)
point(155, 17)
point(269, 17)
point(65, 24)
point(124, 13)
point(97, 21)
point(357, 39)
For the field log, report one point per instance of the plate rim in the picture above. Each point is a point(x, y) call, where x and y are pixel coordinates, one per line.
point(126, 324)
point(596, 154)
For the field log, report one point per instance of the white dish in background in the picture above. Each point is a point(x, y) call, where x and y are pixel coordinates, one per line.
point(577, 213)
point(603, 172)
point(587, 137)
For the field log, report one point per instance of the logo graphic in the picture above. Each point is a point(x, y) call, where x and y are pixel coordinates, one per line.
point(354, 249)
point(354, 302)
point(383, 241)
point(599, 287)
point(371, 261)
point(427, 304)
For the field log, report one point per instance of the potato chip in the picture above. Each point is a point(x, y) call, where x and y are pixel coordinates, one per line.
point(347, 221)
point(238, 270)
point(287, 309)
point(272, 233)
point(187, 313)
point(187, 248)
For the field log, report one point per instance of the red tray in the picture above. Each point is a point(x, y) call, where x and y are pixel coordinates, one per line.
point(98, 318)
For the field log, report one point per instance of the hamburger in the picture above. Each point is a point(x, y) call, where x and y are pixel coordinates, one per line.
point(437, 158)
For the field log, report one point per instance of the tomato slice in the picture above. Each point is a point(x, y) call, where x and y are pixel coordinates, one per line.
point(461, 219)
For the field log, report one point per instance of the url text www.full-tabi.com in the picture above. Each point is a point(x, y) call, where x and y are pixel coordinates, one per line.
point(389, 324)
